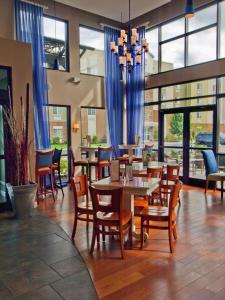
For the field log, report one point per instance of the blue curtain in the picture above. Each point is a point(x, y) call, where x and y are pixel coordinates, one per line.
point(135, 98)
point(113, 90)
point(29, 29)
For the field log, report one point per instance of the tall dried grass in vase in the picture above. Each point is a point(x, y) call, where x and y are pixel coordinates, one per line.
point(17, 144)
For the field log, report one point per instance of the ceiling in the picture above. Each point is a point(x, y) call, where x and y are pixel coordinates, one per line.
point(112, 8)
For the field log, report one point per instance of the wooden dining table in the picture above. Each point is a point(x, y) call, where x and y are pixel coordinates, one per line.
point(138, 186)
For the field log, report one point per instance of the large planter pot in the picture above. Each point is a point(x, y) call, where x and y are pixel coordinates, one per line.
point(22, 199)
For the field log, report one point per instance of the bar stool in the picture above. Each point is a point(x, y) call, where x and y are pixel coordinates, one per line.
point(43, 168)
point(78, 163)
point(103, 161)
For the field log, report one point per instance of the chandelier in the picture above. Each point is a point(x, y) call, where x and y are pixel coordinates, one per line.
point(129, 47)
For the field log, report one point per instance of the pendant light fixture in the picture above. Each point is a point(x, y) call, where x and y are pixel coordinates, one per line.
point(189, 9)
point(129, 48)
point(56, 61)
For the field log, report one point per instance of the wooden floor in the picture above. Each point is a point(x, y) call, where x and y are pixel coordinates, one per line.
point(195, 271)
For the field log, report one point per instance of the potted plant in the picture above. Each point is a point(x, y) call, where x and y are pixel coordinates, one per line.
point(21, 190)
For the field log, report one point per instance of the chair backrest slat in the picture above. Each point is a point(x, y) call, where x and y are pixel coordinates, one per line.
point(57, 156)
point(80, 187)
point(174, 197)
point(155, 172)
point(172, 172)
point(115, 201)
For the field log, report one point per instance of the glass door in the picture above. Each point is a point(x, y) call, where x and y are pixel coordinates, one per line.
point(60, 135)
point(185, 133)
point(5, 84)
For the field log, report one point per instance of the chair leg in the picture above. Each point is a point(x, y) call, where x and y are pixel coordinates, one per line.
point(221, 190)
point(74, 226)
point(142, 233)
point(60, 182)
point(131, 233)
point(175, 232)
point(206, 185)
point(93, 239)
point(103, 233)
point(87, 223)
point(122, 243)
point(52, 187)
point(170, 239)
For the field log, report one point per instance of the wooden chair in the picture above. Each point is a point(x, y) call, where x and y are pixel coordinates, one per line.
point(212, 170)
point(56, 168)
point(78, 163)
point(172, 176)
point(82, 209)
point(108, 216)
point(43, 168)
point(155, 172)
point(141, 202)
point(103, 161)
point(162, 214)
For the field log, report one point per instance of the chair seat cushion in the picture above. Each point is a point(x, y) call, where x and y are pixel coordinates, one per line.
point(114, 217)
point(217, 176)
point(44, 171)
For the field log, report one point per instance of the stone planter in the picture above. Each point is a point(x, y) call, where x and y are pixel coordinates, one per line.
point(22, 199)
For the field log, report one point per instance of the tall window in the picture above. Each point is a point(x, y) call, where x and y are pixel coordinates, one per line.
point(152, 57)
point(91, 51)
point(222, 29)
point(93, 123)
point(56, 43)
point(186, 42)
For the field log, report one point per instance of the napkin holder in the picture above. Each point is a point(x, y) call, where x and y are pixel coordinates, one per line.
point(115, 170)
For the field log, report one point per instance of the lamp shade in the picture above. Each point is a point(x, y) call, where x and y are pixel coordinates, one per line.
point(56, 64)
point(189, 10)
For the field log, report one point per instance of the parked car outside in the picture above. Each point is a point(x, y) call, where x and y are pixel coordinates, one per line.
point(206, 138)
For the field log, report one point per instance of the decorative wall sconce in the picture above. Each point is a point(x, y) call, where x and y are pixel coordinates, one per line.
point(75, 127)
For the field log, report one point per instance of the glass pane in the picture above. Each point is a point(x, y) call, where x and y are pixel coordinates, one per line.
point(1, 132)
point(173, 130)
point(58, 128)
point(222, 85)
point(3, 79)
point(207, 51)
point(202, 18)
point(55, 38)
point(221, 110)
point(196, 164)
point(2, 181)
point(201, 129)
point(173, 29)
point(191, 89)
point(172, 55)
point(151, 125)
point(222, 29)
point(188, 103)
point(221, 162)
point(91, 51)
point(151, 58)
point(64, 168)
point(93, 123)
point(151, 95)
point(173, 155)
